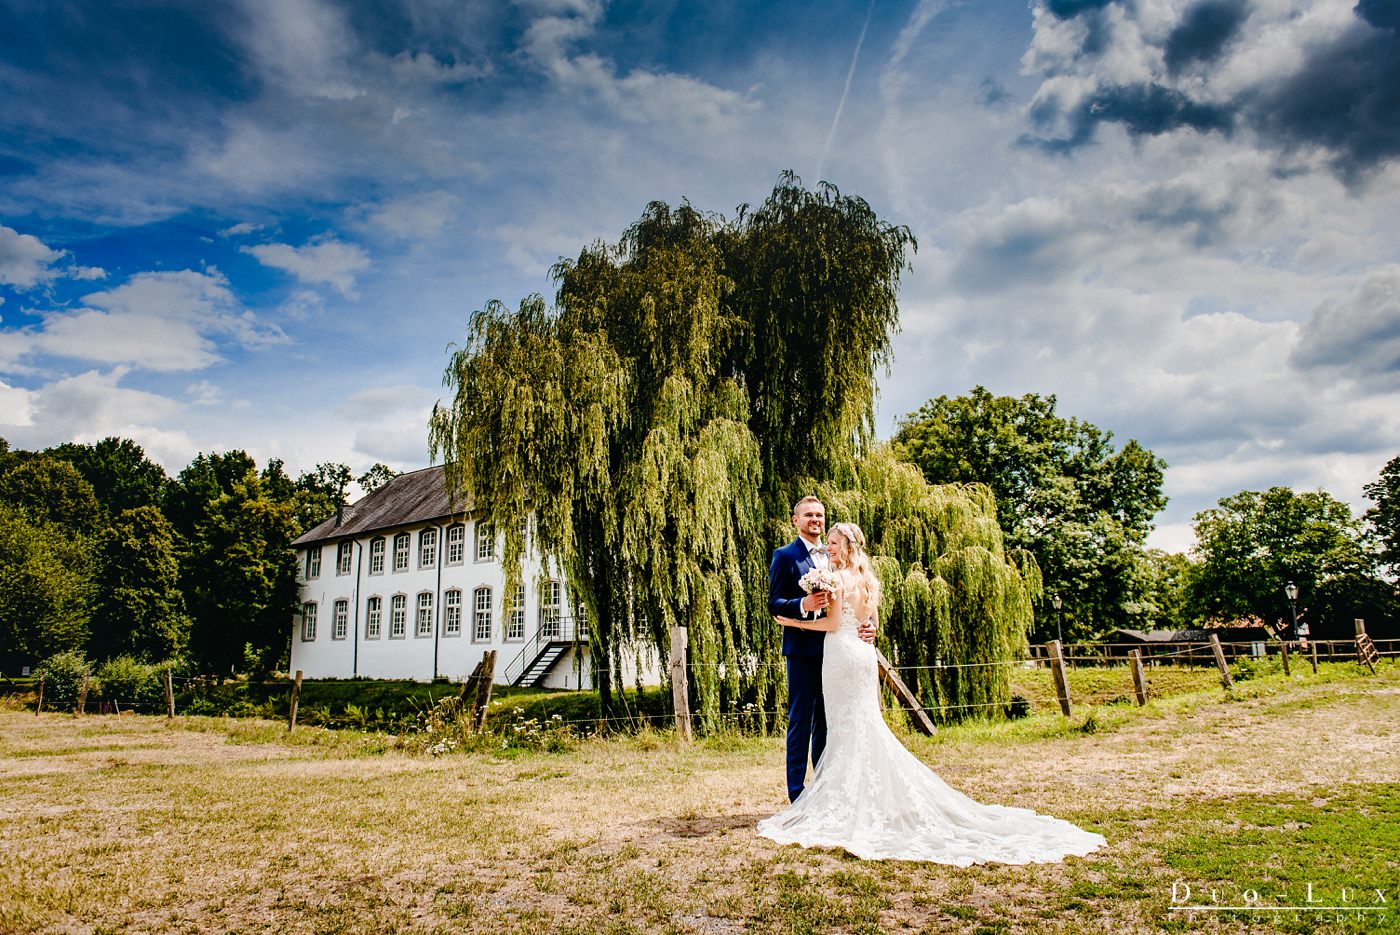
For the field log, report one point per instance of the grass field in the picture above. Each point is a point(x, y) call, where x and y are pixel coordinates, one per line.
point(136, 824)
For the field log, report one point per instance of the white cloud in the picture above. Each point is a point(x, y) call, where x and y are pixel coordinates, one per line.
point(163, 321)
point(328, 262)
point(303, 47)
point(415, 217)
point(24, 260)
point(239, 229)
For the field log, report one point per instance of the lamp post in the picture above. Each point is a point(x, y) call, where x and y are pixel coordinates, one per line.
point(1290, 591)
point(1059, 617)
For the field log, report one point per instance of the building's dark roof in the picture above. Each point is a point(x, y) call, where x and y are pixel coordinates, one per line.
point(1226, 634)
point(416, 497)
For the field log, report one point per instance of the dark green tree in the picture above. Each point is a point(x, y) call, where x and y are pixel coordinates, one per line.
point(139, 608)
point(1253, 543)
point(45, 588)
point(320, 492)
point(48, 490)
point(376, 477)
point(187, 497)
point(653, 426)
point(1384, 517)
point(121, 475)
point(1063, 493)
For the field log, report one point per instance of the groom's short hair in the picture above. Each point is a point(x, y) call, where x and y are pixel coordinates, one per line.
point(807, 499)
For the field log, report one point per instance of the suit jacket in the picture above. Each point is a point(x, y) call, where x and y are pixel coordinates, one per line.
point(785, 595)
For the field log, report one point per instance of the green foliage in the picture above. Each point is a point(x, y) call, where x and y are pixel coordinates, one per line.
point(129, 681)
point(319, 493)
point(1384, 517)
point(63, 675)
point(688, 379)
point(51, 491)
point(1063, 494)
point(376, 477)
point(121, 476)
point(45, 588)
point(1254, 543)
point(139, 607)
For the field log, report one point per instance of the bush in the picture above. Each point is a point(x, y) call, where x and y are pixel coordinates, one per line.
point(1019, 707)
point(63, 678)
point(129, 681)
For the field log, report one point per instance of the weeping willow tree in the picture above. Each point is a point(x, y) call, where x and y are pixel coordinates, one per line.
point(957, 605)
point(688, 383)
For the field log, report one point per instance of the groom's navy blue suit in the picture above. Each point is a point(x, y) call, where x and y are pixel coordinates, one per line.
point(803, 649)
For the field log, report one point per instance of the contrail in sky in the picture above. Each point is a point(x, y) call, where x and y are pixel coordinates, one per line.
point(845, 92)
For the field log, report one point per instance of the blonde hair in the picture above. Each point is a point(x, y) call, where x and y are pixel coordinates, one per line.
point(858, 561)
point(807, 499)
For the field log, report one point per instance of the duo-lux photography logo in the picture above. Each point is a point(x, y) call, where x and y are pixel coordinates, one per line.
point(1333, 903)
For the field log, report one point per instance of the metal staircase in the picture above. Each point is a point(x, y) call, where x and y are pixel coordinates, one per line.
point(543, 651)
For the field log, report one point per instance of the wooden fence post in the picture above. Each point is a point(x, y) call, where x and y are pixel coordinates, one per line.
point(680, 693)
point(1220, 662)
point(910, 701)
point(1057, 668)
point(1313, 646)
point(1283, 654)
point(1365, 649)
point(483, 689)
point(40, 705)
point(81, 706)
point(1139, 678)
point(169, 695)
point(296, 699)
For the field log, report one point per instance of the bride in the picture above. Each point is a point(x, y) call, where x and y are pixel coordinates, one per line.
point(869, 794)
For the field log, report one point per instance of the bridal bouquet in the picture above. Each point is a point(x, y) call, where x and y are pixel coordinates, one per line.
point(819, 579)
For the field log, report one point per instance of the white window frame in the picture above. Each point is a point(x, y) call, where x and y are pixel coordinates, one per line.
point(403, 543)
point(427, 548)
point(481, 615)
point(456, 543)
point(452, 612)
point(551, 596)
point(423, 615)
point(344, 557)
point(340, 620)
point(308, 622)
point(376, 555)
point(313, 562)
point(515, 624)
point(374, 617)
point(398, 616)
point(485, 543)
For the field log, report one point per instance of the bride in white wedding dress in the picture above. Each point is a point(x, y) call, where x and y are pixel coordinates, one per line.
point(871, 796)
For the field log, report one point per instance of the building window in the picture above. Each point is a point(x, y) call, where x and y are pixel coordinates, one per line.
point(308, 622)
point(485, 543)
point(313, 562)
point(452, 613)
point(401, 551)
point(481, 623)
point(344, 557)
point(549, 611)
point(398, 616)
point(515, 628)
point(341, 625)
point(374, 615)
point(580, 613)
point(427, 548)
point(376, 557)
point(425, 614)
point(456, 543)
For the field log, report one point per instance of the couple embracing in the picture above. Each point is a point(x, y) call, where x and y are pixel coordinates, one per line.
point(868, 794)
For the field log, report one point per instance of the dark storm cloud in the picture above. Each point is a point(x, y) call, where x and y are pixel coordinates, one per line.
point(1359, 336)
point(1203, 33)
point(1342, 100)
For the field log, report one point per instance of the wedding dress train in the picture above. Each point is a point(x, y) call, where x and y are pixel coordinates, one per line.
point(877, 800)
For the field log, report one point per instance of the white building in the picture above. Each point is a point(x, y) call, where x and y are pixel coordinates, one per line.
point(402, 586)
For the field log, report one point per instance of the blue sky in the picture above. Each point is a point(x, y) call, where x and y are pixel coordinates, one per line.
point(259, 224)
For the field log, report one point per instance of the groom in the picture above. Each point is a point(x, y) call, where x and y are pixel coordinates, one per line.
point(803, 648)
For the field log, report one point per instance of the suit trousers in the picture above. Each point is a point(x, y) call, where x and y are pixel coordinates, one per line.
point(806, 728)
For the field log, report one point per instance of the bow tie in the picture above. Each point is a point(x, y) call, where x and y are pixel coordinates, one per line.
point(819, 550)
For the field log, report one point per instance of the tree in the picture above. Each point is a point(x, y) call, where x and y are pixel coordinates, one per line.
point(1063, 493)
point(121, 475)
point(139, 607)
point(320, 493)
point(45, 588)
point(1254, 543)
point(51, 491)
point(655, 427)
point(376, 477)
point(1384, 517)
point(187, 498)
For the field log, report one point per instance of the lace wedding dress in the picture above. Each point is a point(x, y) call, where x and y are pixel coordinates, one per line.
point(874, 798)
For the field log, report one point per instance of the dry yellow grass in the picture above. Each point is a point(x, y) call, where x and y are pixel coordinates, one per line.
point(134, 824)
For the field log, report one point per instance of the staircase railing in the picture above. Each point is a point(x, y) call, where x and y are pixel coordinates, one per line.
point(555, 630)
